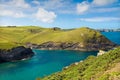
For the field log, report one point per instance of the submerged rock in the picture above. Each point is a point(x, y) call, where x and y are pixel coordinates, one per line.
point(14, 54)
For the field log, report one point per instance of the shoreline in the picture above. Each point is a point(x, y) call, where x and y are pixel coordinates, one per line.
point(72, 46)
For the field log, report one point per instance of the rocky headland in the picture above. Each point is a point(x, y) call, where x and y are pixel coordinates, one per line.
point(90, 46)
point(15, 54)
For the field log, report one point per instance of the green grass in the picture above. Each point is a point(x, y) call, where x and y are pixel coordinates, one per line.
point(104, 67)
point(10, 37)
point(38, 35)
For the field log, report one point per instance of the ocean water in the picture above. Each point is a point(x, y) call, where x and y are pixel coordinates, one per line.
point(113, 36)
point(43, 63)
point(46, 62)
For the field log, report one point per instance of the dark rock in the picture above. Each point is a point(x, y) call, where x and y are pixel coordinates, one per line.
point(49, 44)
point(18, 53)
point(94, 46)
point(30, 45)
point(56, 28)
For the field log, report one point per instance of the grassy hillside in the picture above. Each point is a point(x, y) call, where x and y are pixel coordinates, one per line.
point(77, 35)
point(104, 67)
point(14, 36)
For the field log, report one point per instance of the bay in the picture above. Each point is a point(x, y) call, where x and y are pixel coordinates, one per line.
point(46, 62)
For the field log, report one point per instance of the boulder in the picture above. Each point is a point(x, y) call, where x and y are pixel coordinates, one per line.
point(14, 54)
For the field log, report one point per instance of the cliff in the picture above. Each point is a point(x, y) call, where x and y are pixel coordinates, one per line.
point(14, 54)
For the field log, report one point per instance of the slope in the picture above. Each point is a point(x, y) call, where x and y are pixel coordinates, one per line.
point(104, 67)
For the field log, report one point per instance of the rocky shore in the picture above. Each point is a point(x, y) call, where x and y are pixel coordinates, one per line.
point(14, 54)
point(72, 46)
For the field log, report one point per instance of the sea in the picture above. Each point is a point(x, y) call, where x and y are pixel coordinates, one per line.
point(46, 62)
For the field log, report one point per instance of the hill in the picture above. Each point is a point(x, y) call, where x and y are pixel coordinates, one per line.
point(13, 36)
point(46, 38)
point(104, 67)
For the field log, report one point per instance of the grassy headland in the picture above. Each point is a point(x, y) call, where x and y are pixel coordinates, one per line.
point(14, 36)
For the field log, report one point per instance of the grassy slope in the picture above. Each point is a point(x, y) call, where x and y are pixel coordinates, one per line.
point(11, 37)
point(62, 36)
point(20, 35)
point(105, 67)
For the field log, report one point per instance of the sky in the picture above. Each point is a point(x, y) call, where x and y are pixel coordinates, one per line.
point(66, 14)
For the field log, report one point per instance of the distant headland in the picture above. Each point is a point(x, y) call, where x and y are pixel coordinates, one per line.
point(109, 30)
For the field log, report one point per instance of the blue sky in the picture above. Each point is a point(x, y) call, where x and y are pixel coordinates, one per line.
point(61, 13)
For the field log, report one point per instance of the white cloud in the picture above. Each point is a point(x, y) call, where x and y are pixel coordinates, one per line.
point(12, 13)
point(13, 8)
point(19, 3)
point(59, 6)
point(82, 7)
point(103, 10)
point(100, 19)
point(21, 9)
point(103, 2)
point(54, 4)
point(15, 4)
point(36, 2)
point(85, 6)
point(45, 16)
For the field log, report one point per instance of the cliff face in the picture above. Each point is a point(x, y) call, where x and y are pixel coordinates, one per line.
point(14, 54)
point(90, 45)
point(75, 46)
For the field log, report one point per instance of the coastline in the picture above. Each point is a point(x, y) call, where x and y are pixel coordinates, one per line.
point(72, 46)
point(15, 54)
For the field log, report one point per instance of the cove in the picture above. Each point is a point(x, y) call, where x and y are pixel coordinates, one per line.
point(44, 62)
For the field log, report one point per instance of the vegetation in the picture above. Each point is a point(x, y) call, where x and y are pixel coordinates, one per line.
point(14, 36)
point(104, 67)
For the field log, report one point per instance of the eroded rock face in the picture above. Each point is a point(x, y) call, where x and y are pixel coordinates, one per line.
point(15, 54)
point(89, 42)
point(90, 46)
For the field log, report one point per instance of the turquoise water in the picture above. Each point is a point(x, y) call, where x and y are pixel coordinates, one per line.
point(46, 62)
point(113, 36)
point(43, 63)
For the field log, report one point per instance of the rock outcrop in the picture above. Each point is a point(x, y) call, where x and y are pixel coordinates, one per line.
point(91, 46)
point(101, 52)
point(14, 54)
